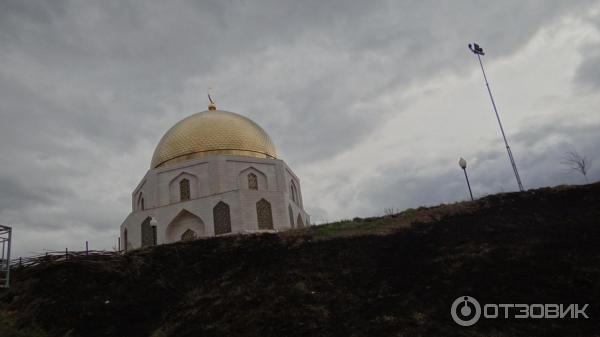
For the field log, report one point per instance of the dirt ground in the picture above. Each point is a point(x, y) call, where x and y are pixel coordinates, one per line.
point(392, 276)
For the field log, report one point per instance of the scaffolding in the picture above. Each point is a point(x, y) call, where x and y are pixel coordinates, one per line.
point(5, 241)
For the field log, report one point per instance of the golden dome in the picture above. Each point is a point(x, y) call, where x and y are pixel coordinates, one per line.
point(212, 132)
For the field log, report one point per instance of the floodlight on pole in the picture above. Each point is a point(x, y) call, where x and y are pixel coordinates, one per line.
point(463, 165)
point(477, 50)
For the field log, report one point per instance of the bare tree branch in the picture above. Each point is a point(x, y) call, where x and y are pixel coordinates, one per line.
point(389, 211)
point(578, 163)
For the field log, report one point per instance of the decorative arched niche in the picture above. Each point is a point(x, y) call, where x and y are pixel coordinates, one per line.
point(141, 202)
point(183, 187)
point(294, 192)
point(252, 179)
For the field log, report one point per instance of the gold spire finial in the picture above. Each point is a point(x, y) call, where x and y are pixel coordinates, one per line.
point(211, 105)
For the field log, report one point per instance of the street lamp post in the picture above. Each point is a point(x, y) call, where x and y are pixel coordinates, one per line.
point(477, 50)
point(463, 164)
point(154, 224)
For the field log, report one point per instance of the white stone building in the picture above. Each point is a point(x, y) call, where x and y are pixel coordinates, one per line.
point(213, 173)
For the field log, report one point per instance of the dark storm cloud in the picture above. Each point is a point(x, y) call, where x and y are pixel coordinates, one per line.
point(87, 89)
point(566, 129)
point(31, 11)
point(391, 48)
point(588, 73)
point(138, 54)
point(18, 197)
point(13, 194)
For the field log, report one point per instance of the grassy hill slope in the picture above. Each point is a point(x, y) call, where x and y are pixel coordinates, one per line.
point(389, 276)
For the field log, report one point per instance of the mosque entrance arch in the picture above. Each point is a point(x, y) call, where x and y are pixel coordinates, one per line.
point(185, 226)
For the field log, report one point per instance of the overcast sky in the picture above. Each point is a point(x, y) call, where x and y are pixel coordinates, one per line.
point(371, 103)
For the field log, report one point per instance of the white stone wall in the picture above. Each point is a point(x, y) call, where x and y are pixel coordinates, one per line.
point(214, 179)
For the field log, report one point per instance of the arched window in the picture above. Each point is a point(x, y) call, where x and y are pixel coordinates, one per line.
point(222, 218)
point(291, 215)
point(184, 190)
point(252, 181)
point(300, 222)
point(188, 235)
point(264, 215)
point(125, 240)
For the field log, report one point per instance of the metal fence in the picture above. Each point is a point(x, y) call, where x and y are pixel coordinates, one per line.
point(66, 255)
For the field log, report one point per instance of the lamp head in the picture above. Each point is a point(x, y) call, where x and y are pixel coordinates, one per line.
point(463, 163)
point(476, 49)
